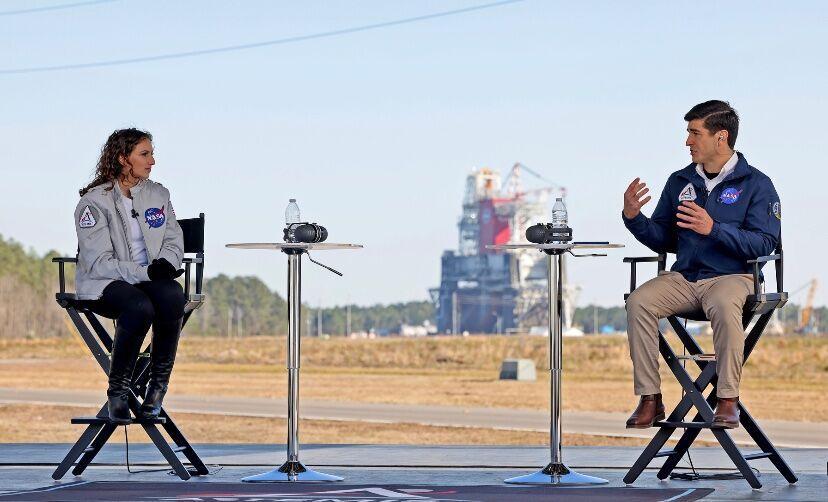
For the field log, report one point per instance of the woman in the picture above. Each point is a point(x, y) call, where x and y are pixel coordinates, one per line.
point(130, 247)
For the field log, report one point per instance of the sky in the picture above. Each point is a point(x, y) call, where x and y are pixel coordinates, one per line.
point(374, 132)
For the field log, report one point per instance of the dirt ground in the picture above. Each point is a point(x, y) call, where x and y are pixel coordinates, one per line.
point(50, 424)
point(785, 379)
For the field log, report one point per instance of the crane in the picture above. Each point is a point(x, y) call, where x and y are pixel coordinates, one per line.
point(515, 188)
point(805, 321)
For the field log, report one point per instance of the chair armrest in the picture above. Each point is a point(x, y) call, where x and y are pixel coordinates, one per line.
point(62, 261)
point(763, 259)
point(198, 261)
point(661, 259)
point(758, 262)
point(643, 259)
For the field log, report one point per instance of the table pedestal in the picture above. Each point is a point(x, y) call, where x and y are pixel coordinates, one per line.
point(556, 473)
point(292, 469)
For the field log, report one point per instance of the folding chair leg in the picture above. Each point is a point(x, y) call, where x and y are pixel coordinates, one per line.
point(692, 387)
point(649, 453)
point(162, 445)
point(76, 450)
point(140, 382)
point(99, 353)
point(98, 433)
point(761, 440)
point(94, 448)
point(681, 448)
point(690, 399)
point(103, 335)
point(686, 440)
point(187, 449)
point(703, 418)
point(736, 456)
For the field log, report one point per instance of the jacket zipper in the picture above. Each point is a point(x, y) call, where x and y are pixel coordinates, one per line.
point(123, 224)
point(696, 248)
point(707, 196)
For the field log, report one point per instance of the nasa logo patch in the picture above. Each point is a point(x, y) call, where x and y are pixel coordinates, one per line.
point(155, 217)
point(729, 196)
point(87, 219)
point(776, 208)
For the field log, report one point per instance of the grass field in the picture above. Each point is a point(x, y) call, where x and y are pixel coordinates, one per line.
point(785, 379)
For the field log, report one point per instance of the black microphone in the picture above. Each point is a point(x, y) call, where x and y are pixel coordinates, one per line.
point(305, 232)
point(135, 214)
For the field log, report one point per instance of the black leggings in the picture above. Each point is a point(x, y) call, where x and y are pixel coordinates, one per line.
point(137, 306)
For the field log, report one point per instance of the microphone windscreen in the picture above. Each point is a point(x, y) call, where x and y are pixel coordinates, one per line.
point(537, 234)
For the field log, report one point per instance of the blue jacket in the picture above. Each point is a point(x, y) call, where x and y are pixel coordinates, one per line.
point(746, 222)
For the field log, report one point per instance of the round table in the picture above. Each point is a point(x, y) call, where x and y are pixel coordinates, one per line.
point(292, 469)
point(556, 472)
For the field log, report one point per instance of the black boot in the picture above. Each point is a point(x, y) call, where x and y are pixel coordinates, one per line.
point(165, 337)
point(125, 349)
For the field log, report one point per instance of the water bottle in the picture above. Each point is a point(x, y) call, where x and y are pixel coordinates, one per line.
point(292, 212)
point(559, 216)
point(292, 215)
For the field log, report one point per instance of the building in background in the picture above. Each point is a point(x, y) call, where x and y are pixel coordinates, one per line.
point(486, 291)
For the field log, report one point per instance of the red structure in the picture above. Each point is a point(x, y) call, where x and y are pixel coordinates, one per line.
point(494, 229)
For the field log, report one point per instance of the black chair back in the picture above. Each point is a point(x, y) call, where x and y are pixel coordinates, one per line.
point(193, 229)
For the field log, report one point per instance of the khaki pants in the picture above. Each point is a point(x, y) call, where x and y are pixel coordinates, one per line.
point(722, 300)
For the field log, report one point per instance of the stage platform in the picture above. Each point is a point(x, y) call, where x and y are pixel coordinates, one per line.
point(30, 465)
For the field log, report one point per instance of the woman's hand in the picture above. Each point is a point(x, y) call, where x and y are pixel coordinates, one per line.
point(161, 270)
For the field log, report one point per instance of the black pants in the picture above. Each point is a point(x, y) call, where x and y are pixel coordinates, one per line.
point(136, 307)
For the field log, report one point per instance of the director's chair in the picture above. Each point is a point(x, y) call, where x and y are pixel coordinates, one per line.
point(99, 428)
point(759, 304)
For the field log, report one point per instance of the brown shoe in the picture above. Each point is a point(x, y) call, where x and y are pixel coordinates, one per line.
point(727, 413)
point(650, 409)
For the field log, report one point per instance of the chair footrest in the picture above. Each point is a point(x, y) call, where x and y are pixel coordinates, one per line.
point(664, 453)
point(697, 357)
point(134, 421)
point(684, 425)
point(754, 456)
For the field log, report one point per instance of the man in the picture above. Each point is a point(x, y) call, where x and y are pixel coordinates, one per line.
point(715, 215)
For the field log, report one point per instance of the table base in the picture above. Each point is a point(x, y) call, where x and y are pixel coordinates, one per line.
point(558, 475)
point(291, 471)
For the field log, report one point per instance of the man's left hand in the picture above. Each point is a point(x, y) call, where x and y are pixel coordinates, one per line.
point(694, 217)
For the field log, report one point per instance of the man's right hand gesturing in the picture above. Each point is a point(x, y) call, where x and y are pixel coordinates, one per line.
point(633, 200)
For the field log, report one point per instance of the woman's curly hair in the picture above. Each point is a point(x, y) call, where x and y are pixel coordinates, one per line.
point(120, 143)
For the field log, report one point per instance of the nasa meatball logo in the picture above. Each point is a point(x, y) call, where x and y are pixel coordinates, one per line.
point(155, 217)
point(729, 196)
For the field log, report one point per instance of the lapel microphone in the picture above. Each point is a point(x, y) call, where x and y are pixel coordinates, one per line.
point(135, 214)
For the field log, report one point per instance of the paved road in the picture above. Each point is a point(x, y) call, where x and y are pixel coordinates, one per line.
point(782, 433)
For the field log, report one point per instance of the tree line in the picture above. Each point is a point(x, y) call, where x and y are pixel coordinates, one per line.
point(245, 306)
point(235, 306)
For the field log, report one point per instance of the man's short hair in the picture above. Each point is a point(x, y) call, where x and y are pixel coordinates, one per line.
point(717, 115)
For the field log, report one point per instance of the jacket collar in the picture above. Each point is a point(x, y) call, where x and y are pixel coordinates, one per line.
point(133, 191)
point(138, 187)
point(741, 170)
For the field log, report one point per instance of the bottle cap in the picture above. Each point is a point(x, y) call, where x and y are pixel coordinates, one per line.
point(292, 200)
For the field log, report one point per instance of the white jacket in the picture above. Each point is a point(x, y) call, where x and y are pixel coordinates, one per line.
point(104, 253)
